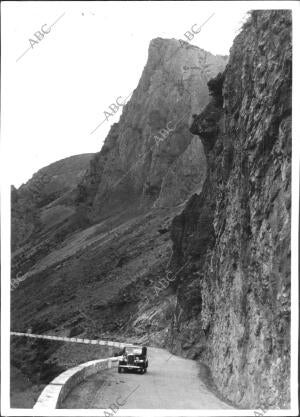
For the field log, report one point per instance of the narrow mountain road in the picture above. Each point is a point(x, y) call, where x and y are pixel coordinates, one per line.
point(170, 383)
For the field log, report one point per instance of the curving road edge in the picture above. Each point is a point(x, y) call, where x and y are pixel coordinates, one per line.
point(55, 392)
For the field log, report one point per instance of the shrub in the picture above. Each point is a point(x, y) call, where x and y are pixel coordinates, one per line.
point(215, 86)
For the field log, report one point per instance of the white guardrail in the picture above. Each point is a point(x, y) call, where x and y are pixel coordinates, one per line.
point(73, 339)
point(54, 393)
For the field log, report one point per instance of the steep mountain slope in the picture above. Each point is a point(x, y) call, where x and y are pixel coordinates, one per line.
point(32, 203)
point(233, 297)
point(82, 260)
point(86, 249)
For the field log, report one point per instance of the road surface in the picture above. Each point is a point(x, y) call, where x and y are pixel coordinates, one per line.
point(170, 383)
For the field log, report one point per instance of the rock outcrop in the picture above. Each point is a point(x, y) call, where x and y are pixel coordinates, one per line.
point(233, 296)
point(150, 157)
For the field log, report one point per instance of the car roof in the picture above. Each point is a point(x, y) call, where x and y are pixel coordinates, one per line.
point(134, 347)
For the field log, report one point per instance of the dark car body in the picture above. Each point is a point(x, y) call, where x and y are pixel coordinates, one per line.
point(134, 359)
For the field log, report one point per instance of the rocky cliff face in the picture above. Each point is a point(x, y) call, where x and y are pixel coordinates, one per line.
point(233, 296)
point(150, 157)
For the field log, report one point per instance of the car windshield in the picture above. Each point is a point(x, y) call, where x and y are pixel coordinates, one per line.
point(133, 351)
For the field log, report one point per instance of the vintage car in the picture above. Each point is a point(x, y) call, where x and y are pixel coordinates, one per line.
point(134, 359)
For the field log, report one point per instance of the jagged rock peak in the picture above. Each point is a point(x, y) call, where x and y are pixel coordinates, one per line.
point(151, 144)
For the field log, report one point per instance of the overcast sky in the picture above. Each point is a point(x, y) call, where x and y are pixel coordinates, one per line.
point(55, 95)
